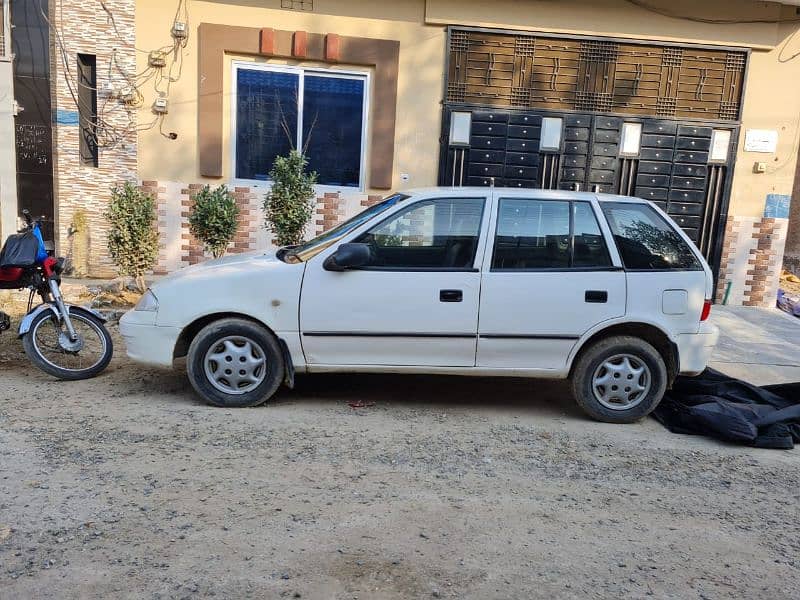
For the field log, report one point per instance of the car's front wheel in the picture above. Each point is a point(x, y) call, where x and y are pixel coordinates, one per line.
point(235, 363)
point(619, 379)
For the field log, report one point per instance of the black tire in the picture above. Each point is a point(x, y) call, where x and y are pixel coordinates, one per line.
point(211, 338)
point(36, 357)
point(591, 362)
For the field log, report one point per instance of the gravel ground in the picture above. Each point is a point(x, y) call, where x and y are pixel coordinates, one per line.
point(127, 486)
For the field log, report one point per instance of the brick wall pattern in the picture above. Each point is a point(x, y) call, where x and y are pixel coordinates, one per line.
point(178, 248)
point(751, 260)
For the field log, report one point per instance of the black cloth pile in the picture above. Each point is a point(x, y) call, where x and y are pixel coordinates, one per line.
point(728, 409)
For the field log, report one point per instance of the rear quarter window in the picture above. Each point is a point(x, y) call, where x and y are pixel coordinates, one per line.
point(646, 241)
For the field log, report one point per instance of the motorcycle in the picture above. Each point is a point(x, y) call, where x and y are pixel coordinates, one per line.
point(66, 341)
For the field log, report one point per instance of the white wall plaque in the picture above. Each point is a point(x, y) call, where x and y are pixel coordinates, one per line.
point(760, 140)
point(720, 145)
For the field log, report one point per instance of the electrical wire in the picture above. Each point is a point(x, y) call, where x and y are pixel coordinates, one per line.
point(668, 13)
point(108, 131)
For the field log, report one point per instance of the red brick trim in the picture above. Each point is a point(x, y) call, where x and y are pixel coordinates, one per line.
point(300, 44)
point(267, 41)
point(332, 49)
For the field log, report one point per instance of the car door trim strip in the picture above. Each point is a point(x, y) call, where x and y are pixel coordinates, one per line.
point(487, 336)
point(371, 334)
point(508, 336)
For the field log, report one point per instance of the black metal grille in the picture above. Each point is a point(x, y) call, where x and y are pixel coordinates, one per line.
point(563, 73)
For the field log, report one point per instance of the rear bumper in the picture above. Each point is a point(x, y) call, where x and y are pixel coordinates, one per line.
point(146, 342)
point(695, 349)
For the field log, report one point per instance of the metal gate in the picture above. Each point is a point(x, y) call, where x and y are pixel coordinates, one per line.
point(654, 121)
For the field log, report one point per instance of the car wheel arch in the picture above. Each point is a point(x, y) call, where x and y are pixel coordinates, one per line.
point(191, 330)
point(648, 332)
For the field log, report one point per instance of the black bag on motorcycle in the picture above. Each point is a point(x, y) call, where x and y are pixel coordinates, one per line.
point(20, 250)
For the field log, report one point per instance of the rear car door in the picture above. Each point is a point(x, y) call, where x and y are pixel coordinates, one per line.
point(549, 277)
point(415, 303)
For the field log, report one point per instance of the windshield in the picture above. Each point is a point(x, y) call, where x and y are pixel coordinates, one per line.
point(311, 248)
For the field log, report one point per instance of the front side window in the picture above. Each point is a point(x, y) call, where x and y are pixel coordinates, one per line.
point(431, 234)
point(646, 241)
point(321, 112)
point(306, 250)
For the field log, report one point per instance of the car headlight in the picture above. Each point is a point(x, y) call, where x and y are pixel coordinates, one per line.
point(147, 303)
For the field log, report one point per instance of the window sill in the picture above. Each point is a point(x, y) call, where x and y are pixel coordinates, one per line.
point(319, 189)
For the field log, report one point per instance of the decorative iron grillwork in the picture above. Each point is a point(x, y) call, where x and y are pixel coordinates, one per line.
point(594, 101)
point(298, 4)
point(525, 46)
point(520, 96)
point(562, 73)
point(665, 107)
point(672, 57)
point(594, 51)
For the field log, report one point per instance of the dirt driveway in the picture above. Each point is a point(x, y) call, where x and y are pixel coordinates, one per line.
point(127, 487)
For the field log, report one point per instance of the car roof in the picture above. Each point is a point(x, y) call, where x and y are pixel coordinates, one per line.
point(537, 193)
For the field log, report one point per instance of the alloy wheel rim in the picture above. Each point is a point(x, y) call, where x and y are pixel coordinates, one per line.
point(621, 382)
point(235, 365)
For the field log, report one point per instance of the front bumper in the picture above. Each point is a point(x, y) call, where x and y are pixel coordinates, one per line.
point(146, 342)
point(695, 349)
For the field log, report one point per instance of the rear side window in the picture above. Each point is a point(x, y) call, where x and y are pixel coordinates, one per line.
point(531, 234)
point(589, 245)
point(542, 234)
point(646, 241)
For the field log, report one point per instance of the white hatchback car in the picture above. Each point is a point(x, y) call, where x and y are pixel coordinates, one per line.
point(605, 290)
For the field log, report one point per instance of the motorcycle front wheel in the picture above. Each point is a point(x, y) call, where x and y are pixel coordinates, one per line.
point(48, 346)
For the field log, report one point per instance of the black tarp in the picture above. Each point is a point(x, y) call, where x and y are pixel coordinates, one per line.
point(735, 411)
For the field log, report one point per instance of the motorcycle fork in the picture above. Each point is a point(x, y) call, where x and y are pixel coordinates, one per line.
point(55, 292)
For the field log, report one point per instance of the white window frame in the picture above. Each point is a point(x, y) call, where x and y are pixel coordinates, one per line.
point(5, 32)
point(301, 72)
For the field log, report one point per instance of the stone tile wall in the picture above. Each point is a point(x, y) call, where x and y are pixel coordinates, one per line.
point(751, 261)
point(80, 187)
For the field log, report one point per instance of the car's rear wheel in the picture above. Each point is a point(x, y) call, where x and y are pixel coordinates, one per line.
point(619, 379)
point(235, 363)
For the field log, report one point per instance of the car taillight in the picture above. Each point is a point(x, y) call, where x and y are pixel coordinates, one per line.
point(706, 310)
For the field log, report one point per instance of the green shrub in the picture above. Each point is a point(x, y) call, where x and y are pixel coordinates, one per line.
point(132, 238)
point(289, 204)
point(213, 218)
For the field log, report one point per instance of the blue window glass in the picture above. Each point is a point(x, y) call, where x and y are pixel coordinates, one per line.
point(333, 112)
point(267, 107)
point(266, 120)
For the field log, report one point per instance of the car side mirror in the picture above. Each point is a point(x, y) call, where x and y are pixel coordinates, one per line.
point(347, 256)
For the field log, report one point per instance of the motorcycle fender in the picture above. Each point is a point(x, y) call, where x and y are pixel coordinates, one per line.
point(25, 324)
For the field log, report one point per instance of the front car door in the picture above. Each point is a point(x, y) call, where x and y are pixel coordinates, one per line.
point(415, 303)
point(548, 278)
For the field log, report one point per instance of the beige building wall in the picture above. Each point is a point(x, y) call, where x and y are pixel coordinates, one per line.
point(772, 94)
point(771, 98)
point(422, 56)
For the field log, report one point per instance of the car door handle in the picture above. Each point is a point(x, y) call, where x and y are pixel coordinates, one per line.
point(451, 295)
point(596, 296)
